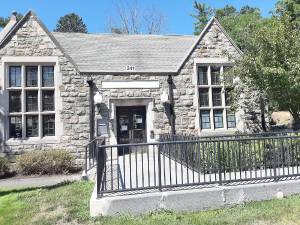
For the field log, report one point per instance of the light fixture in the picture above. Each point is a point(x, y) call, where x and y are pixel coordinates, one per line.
point(98, 99)
point(164, 97)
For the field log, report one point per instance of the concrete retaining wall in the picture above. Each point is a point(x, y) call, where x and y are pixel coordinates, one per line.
point(191, 200)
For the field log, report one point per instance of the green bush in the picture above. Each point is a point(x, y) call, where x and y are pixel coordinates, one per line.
point(4, 166)
point(45, 162)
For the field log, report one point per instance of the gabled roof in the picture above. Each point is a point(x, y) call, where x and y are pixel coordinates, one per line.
point(114, 52)
point(18, 25)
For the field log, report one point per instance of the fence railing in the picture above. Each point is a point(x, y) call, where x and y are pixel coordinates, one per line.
point(91, 153)
point(171, 164)
point(170, 137)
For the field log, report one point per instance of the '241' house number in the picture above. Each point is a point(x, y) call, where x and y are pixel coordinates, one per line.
point(130, 68)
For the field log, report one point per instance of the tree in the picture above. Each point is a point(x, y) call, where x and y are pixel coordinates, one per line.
point(133, 19)
point(290, 8)
point(202, 15)
point(4, 21)
point(237, 23)
point(241, 25)
point(248, 9)
point(272, 65)
point(228, 10)
point(71, 23)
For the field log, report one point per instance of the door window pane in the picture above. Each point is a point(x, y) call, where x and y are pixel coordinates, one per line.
point(31, 101)
point(217, 96)
point(15, 126)
point(203, 97)
point(15, 76)
point(205, 119)
point(31, 76)
point(15, 101)
point(48, 76)
point(215, 75)
point(218, 118)
point(202, 76)
point(231, 121)
point(48, 100)
point(49, 125)
point(32, 126)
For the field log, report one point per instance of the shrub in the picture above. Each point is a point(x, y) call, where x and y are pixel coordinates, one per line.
point(4, 167)
point(45, 162)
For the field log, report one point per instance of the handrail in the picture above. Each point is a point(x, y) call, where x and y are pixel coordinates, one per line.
point(198, 141)
point(90, 152)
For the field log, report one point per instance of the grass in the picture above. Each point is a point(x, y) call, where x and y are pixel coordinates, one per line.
point(69, 204)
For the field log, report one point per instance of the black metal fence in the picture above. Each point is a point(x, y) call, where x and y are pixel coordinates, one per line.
point(172, 164)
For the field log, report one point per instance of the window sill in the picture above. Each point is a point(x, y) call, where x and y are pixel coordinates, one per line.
point(33, 140)
point(218, 131)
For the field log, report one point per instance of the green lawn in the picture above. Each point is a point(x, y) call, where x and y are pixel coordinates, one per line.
point(69, 204)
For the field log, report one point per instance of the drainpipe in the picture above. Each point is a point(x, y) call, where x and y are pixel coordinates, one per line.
point(92, 110)
point(172, 116)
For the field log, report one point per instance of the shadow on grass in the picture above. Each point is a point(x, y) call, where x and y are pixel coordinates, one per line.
point(20, 190)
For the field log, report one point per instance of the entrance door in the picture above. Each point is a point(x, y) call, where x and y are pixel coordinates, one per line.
point(131, 124)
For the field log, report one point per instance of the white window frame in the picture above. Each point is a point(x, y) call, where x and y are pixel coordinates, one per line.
point(212, 62)
point(4, 82)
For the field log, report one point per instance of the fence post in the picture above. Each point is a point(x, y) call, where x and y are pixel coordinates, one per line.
point(219, 164)
point(274, 159)
point(159, 168)
point(86, 160)
point(98, 171)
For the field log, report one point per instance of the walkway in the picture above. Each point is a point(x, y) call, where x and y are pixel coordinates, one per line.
point(36, 181)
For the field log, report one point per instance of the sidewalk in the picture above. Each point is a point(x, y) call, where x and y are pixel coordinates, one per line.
point(36, 181)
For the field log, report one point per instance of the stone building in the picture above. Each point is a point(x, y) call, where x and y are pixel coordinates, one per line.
point(44, 94)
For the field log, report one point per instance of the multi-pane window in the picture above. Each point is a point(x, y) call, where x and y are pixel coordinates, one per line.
point(49, 125)
point(231, 121)
point(14, 76)
point(31, 101)
point(203, 97)
point(32, 126)
point(15, 101)
point(214, 102)
point(31, 76)
point(202, 76)
point(48, 100)
point(217, 96)
point(15, 126)
point(215, 75)
point(218, 118)
point(31, 94)
point(48, 76)
point(205, 119)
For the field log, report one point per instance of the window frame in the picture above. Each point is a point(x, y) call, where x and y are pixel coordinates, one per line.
point(24, 88)
point(211, 87)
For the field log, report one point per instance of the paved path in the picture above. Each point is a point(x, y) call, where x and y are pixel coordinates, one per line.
point(36, 181)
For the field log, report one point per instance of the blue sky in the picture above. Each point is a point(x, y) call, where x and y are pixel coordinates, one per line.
point(96, 12)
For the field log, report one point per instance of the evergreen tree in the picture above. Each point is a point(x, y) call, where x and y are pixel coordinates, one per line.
point(71, 23)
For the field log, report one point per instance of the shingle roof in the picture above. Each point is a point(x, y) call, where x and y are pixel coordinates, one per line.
point(114, 52)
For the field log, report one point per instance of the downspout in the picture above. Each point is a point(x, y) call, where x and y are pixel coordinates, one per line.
point(92, 110)
point(172, 114)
